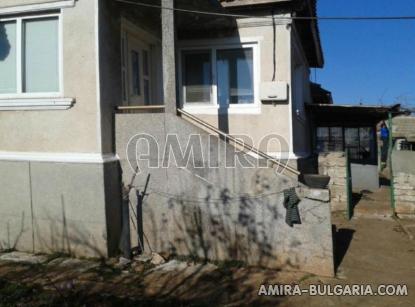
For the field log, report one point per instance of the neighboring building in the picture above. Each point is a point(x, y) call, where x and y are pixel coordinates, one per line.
point(66, 66)
point(403, 132)
point(352, 128)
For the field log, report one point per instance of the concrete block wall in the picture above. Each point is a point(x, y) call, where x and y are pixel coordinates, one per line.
point(333, 164)
point(222, 213)
point(403, 165)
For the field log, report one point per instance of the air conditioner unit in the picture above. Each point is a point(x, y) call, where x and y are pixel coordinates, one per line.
point(274, 92)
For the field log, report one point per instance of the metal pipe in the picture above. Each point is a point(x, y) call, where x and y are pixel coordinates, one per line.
point(390, 149)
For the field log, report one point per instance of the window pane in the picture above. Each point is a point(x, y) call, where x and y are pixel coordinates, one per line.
point(7, 57)
point(146, 91)
point(336, 139)
point(145, 63)
point(135, 63)
point(367, 143)
point(41, 55)
point(197, 76)
point(322, 139)
point(235, 76)
point(124, 89)
point(351, 136)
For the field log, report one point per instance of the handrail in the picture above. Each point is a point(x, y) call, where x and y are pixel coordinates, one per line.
point(239, 142)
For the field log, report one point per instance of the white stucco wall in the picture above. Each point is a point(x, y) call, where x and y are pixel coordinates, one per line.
point(87, 126)
point(273, 118)
point(75, 130)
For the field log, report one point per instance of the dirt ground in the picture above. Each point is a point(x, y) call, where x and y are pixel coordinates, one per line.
point(369, 251)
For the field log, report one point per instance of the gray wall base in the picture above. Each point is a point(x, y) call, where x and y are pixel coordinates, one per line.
point(60, 207)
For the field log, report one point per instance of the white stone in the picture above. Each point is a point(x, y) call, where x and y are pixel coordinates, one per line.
point(172, 265)
point(156, 259)
point(316, 194)
point(24, 258)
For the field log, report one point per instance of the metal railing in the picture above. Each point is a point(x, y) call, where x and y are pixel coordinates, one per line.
point(239, 142)
point(161, 109)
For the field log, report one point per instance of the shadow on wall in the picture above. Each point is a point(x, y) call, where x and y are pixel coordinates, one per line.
point(220, 226)
point(211, 231)
point(4, 43)
point(11, 243)
point(52, 234)
point(67, 237)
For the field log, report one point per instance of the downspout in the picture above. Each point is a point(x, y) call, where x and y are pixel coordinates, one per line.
point(274, 45)
point(390, 149)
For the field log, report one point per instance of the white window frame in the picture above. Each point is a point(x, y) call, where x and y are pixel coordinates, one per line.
point(213, 107)
point(29, 101)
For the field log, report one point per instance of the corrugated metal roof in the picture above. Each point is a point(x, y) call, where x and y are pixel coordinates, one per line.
point(335, 114)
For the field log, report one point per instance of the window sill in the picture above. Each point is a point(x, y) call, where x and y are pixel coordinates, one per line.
point(29, 104)
point(253, 109)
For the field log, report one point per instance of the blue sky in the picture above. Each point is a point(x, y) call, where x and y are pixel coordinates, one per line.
point(372, 62)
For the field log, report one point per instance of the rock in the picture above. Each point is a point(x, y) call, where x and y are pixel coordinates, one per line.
point(165, 255)
point(316, 194)
point(124, 261)
point(172, 265)
point(138, 267)
point(156, 259)
point(24, 258)
point(56, 261)
point(143, 258)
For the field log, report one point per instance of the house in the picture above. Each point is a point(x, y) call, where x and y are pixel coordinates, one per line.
point(66, 67)
point(403, 132)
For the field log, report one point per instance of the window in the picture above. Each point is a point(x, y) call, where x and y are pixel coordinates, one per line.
point(146, 77)
point(219, 77)
point(8, 62)
point(135, 70)
point(124, 65)
point(29, 56)
point(235, 76)
point(360, 141)
point(197, 76)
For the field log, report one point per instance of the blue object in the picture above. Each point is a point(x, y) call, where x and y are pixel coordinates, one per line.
point(384, 133)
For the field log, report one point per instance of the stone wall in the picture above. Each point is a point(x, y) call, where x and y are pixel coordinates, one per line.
point(219, 212)
point(333, 164)
point(404, 181)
